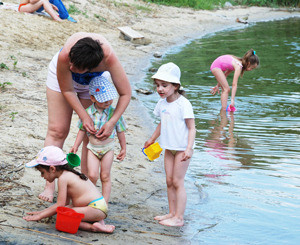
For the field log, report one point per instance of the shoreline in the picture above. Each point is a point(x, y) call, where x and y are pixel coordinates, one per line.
point(138, 185)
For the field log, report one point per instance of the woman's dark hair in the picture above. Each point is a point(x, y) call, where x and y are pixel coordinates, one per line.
point(86, 53)
point(250, 58)
point(63, 167)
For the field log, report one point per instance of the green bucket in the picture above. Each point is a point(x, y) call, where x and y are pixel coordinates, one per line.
point(73, 160)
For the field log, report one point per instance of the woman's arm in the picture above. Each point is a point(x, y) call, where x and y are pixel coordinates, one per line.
point(123, 87)
point(64, 78)
point(190, 123)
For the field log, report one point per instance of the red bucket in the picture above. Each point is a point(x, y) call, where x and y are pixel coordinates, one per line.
point(68, 220)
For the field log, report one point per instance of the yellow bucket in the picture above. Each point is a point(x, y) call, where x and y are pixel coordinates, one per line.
point(153, 151)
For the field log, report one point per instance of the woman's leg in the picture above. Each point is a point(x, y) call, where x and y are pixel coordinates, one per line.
point(59, 119)
point(106, 163)
point(221, 78)
point(169, 169)
point(179, 172)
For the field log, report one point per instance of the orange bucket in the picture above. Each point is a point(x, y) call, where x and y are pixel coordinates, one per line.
point(153, 151)
point(68, 220)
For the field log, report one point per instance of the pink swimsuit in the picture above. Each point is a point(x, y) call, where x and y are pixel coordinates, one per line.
point(224, 62)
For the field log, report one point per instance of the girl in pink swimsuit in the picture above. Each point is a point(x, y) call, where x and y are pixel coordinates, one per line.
point(224, 65)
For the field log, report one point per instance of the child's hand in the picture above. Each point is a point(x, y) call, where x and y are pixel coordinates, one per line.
point(187, 154)
point(74, 149)
point(32, 216)
point(214, 90)
point(121, 155)
point(148, 143)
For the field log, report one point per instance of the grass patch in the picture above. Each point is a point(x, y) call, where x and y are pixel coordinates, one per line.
point(3, 85)
point(212, 4)
point(73, 9)
point(99, 17)
point(4, 66)
point(142, 8)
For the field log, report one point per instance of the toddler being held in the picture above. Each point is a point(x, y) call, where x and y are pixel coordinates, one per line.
point(101, 152)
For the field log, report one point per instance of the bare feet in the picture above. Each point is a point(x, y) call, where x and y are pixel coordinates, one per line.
point(163, 217)
point(172, 222)
point(101, 227)
point(47, 195)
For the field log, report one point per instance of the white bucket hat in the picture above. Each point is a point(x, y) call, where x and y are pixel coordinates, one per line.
point(168, 72)
point(102, 89)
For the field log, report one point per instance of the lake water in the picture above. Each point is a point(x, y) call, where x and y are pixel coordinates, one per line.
point(243, 183)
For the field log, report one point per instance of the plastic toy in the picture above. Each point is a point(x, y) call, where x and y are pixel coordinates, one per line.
point(73, 160)
point(68, 220)
point(153, 151)
point(230, 108)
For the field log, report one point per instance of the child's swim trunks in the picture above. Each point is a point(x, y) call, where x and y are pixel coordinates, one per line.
point(100, 150)
point(99, 204)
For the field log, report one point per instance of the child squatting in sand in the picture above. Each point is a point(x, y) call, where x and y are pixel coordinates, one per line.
point(72, 186)
point(101, 152)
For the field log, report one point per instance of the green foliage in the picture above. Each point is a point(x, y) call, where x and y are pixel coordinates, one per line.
point(100, 17)
point(211, 4)
point(12, 115)
point(4, 66)
point(269, 3)
point(196, 4)
point(73, 9)
point(15, 61)
point(3, 85)
point(142, 8)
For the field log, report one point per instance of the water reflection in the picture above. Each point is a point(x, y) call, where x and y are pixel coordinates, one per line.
point(221, 142)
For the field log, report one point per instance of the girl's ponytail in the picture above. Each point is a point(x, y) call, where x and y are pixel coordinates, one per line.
point(63, 167)
point(250, 58)
point(68, 168)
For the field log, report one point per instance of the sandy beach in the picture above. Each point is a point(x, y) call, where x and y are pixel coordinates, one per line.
point(27, 44)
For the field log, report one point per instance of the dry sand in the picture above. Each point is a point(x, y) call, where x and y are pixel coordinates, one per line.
point(27, 44)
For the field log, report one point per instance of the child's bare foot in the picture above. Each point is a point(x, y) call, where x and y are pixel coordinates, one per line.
point(101, 227)
point(47, 195)
point(163, 217)
point(172, 222)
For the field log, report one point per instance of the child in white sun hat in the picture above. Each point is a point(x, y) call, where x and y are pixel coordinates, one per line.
point(101, 153)
point(72, 186)
point(177, 135)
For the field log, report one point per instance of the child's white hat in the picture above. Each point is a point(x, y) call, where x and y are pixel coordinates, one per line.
point(102, 89)
point(49, 156)
point(168, 72)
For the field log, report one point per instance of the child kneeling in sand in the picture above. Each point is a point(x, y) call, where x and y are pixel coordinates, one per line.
point(72, 185)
